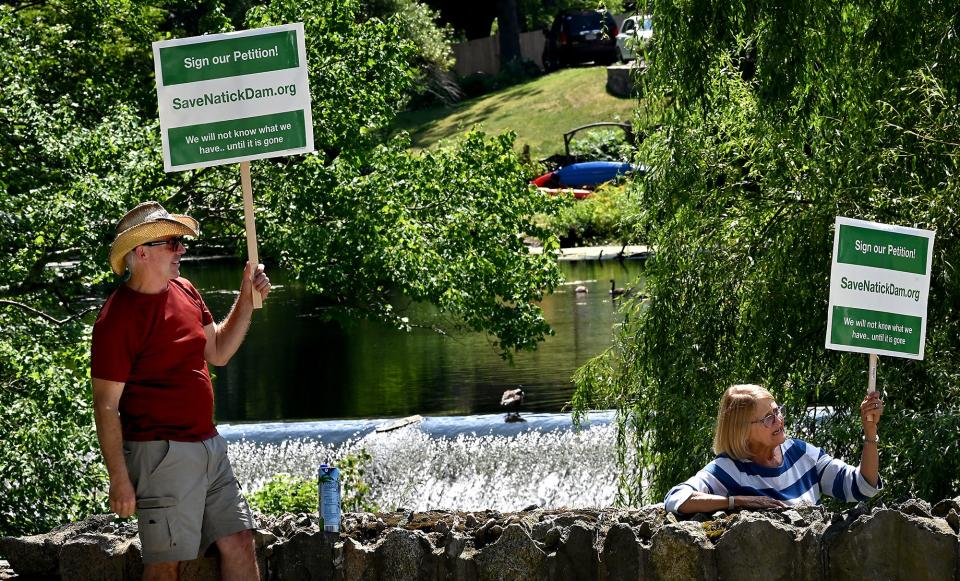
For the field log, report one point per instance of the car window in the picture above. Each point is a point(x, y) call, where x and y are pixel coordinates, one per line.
point(628, 25)
point(648, 23)
point(589, 21)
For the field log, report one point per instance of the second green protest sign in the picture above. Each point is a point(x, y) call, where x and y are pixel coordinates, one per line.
point(879, 284)
point(233, 97)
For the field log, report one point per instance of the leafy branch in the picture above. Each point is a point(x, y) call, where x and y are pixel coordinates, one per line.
point(46, 316)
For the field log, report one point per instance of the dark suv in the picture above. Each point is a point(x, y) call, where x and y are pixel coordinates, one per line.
point(579, 36)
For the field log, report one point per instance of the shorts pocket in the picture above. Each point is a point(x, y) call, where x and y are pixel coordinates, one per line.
point(154, 519)
point(165, 458)
point(145, 459)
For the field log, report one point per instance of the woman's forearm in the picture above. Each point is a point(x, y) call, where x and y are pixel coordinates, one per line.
point(870, 411)
point(703, 502)
point(870, 457)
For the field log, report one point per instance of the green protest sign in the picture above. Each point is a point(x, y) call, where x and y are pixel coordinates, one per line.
point(239, 96)
point(879, 282)
point(234, 97)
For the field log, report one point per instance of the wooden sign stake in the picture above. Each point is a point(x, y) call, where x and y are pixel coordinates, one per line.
point(250, 224)
point(872, 379)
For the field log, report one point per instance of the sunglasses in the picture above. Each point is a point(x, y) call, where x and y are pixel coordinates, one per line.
point(175, 243)
point(770, 419)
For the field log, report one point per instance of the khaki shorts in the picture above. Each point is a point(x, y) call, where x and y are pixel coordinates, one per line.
point(187, 497)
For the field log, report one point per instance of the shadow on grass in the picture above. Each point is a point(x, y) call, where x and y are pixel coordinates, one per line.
point(538, 110)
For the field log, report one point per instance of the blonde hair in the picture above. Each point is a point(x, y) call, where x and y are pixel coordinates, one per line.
point(732, 434)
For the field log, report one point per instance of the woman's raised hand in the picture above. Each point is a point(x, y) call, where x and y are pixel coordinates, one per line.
point(871, 409)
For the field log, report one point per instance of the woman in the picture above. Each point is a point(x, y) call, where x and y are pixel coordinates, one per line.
point(758, 467)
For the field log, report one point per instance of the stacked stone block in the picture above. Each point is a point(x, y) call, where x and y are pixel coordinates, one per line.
point(911, 541)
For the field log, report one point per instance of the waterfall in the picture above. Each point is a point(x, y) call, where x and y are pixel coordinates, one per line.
point(412, 469)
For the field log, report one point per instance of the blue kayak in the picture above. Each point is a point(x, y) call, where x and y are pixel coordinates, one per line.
point(592, 173)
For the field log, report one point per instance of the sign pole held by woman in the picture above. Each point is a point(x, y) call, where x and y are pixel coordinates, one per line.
point(234, 97)
point(872, 378)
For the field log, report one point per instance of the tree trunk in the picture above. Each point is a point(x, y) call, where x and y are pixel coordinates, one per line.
point(508, 25)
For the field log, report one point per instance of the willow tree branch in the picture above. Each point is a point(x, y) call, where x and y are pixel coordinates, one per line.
point(43, 315)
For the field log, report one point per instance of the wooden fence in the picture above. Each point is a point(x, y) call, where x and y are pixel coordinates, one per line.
point(482, 55)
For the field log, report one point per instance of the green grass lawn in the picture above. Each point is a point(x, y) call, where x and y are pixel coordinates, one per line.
point(539, 111)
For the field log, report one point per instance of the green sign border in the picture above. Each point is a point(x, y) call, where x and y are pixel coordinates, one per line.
point(841, 334)
point(174, 72)
point(848, 254)
point(181, 154)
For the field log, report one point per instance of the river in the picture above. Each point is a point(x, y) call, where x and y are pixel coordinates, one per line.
point(294, 365)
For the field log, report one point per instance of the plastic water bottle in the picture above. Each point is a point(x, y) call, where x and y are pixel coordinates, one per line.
point(328, 480)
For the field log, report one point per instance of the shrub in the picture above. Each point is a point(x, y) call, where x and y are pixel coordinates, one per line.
point(606, 217)
point(356, 491)
point(601, 144)
point(285, 493)
point(51, 465)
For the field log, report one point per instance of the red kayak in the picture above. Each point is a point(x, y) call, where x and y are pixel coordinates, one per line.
point(577, 193)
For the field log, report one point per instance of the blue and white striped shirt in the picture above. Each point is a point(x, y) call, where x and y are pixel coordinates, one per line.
point(806, 473)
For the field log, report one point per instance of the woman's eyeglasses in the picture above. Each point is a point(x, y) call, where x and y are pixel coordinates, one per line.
point(175, 243)
point(770, 419)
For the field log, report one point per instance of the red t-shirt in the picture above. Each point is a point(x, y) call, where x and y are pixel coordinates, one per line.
point(154, 344)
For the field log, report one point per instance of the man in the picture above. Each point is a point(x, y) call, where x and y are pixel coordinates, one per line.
point(153, 400)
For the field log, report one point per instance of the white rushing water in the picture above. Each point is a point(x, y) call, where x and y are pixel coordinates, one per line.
point(411, 469)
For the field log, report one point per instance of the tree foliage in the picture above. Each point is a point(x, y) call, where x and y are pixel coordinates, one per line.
point(51, 470)
point(446, 228)
point(360, 73)
point(783, 117)
point(420, 24)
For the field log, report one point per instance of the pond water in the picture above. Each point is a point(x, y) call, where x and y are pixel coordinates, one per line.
point(294, 365)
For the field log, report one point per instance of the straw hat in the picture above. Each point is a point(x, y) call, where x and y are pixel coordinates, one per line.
point(145, 223)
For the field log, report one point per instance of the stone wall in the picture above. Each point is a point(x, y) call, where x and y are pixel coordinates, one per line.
point(625, 80)
point(911, 540)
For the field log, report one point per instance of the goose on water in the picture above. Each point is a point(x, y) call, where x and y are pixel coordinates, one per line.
point(614, 291)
